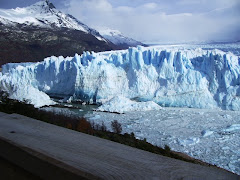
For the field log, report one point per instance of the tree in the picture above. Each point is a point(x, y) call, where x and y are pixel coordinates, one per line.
point(167, 148)
point(116, 127)
point(103, 127)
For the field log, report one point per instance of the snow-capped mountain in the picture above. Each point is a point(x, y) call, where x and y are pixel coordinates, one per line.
point(44, 14)
point(117, 38)
point(40, 30)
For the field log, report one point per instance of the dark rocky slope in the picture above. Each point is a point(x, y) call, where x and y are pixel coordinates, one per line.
point(24, 43)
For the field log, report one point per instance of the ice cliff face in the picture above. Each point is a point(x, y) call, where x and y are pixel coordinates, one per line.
point(193, 78)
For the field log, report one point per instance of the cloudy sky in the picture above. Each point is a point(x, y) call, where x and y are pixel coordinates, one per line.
point(154, 21)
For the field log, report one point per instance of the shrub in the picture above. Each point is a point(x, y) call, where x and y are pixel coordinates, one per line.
point(69, 125)
point(132, 135)
point(167, 148)
point(116, 127)
point(103, 127)
point(84, 126)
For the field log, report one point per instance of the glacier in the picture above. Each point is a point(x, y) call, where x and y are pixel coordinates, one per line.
point(170, 77)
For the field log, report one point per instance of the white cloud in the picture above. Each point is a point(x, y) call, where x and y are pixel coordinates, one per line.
point(157, 22)
point(150, 6)
point(208, 3)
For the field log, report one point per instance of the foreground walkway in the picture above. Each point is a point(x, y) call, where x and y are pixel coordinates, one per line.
point(49, 151)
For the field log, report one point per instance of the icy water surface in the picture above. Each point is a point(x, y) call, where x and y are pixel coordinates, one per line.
point(72, 109)
point(210, 135)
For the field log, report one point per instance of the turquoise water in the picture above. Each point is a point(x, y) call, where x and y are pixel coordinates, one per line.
point(81, 110)
point(74, 109)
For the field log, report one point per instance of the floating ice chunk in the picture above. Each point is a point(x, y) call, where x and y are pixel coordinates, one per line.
point(188, 141)
point(206, 133)
point(120, 104)
point(227, 116)
point(68, 105)
point(201, 113)
point(225, 148)
point(232, 128)
point(95, 117)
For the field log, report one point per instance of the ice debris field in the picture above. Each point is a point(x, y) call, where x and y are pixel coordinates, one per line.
point(177, 78)
point(212, 136)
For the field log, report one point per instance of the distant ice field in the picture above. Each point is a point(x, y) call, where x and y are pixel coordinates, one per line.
point(226, 47)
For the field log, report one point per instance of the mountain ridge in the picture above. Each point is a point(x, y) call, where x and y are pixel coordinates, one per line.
point(117, 38)
point(40, 30)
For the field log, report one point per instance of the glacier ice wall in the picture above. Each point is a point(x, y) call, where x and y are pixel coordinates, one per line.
point(192, 78)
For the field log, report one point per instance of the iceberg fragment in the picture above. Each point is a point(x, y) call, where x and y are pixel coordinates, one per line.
point(121, 104)
point(189, 141)
point(206, 133)
point(233, 127)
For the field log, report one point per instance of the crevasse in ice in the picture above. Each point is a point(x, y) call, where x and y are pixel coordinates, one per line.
point(192, 78)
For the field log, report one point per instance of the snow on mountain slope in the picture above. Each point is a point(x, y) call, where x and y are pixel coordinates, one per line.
point(117, 38)
point(44, 14)
point(192, 78)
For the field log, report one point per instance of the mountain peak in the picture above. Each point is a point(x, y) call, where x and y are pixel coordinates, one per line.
point(44, 14)
point(50, 5)
point(41, 14)
point(43, 6)
point(44, 3)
